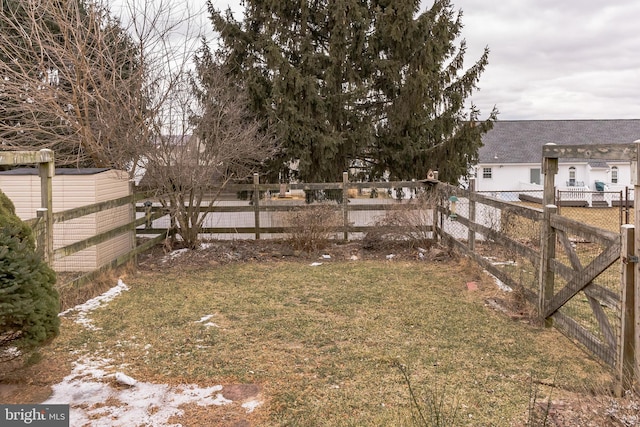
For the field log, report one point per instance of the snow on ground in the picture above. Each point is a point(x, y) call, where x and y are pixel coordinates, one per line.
point(82, 310)
point(208, 324)
point(95, 401)
point(503, 287)
point(174, 254)
point(98, 395)
point(179, 252)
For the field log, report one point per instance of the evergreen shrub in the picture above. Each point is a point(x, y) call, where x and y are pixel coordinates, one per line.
point(29, 302)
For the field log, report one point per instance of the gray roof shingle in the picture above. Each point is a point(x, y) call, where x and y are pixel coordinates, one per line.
point(521, 141)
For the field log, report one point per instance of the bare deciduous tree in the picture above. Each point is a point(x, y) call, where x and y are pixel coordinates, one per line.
point(212, 140)
point(71, 81)
point(116, 92)
point(90, 86)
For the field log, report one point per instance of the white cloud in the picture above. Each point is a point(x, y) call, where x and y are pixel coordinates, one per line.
point(549, 59)
point(556, 60)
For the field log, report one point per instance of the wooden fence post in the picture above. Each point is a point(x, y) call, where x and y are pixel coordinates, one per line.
point(46, 170)
point(626, 369)
point(636, 208)
point(472, 215)
point(132, 218)
point(256, 204)
point(41, 232)
point(550, 169)
point(547, 237)
point(437, 226)
point(548, 252)
point(345, 205)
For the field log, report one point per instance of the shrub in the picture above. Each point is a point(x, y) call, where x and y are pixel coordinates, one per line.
point(410, 223)
point(29, 303)
point(313, 226)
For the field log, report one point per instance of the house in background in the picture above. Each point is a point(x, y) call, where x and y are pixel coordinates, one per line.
point(511, 157)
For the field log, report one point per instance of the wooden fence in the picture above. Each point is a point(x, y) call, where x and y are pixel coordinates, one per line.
point(586, 289)
point(43, 224)
point(577, 289)
point(143, 215)
point(39, 227)
point(263, 211)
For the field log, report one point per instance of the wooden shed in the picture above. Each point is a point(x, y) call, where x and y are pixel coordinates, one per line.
point(74, 188)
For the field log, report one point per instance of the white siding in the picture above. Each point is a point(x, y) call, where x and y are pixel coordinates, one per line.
point(506, 177)
point(516, 177)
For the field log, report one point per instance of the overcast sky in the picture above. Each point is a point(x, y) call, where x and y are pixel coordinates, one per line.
point(551, 59)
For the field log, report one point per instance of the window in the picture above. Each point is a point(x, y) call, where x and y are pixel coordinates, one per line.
point(534, 176)
point(486, 172)
point(572, 176)
point(614, 175)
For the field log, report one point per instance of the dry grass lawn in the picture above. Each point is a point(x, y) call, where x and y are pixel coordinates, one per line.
point(325, 345)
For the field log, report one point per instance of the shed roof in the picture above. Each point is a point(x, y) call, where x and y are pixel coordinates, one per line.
point(59, 171)
point(521, 141)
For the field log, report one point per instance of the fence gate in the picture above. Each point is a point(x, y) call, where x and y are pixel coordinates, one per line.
point(574, 274)
point(602, 251)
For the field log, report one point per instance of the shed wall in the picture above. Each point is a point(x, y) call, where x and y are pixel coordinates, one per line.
point(72, 191)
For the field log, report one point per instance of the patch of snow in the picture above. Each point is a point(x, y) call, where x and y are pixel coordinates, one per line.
point(391, 256)
point(87, 390)
point(208, 324)
point(125, 379)
point(175, 254)
point(205, 245)
point(315, 264)
point(494, 262)
point(510, 262)
point(93, 303)
point(501, 285)
point(326, 256)
point(204, 318)
point(211, 325)
point(251, 405)
point(10, 352)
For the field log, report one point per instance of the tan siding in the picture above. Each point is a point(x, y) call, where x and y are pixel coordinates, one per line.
point(72, 191)
point(68, 232)
point(24, 192)
point(112, 185)
point(84, 260)
point(106, 220)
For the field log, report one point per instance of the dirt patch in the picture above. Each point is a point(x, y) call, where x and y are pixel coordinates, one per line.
point(225, 252)
point(21, 384)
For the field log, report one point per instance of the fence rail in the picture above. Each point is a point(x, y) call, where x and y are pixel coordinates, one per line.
point(568, 269)
point(39, 227)
point(265, 219)
point(577, 288)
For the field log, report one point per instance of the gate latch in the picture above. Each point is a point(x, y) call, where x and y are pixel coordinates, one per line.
point(631, 258)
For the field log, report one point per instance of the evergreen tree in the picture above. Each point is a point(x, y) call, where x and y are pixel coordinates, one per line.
point(373, 84)
point(421, 89)
point(29, 302)
point(301, 63)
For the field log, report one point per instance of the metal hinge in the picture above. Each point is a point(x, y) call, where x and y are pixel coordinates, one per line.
point(631, 258)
